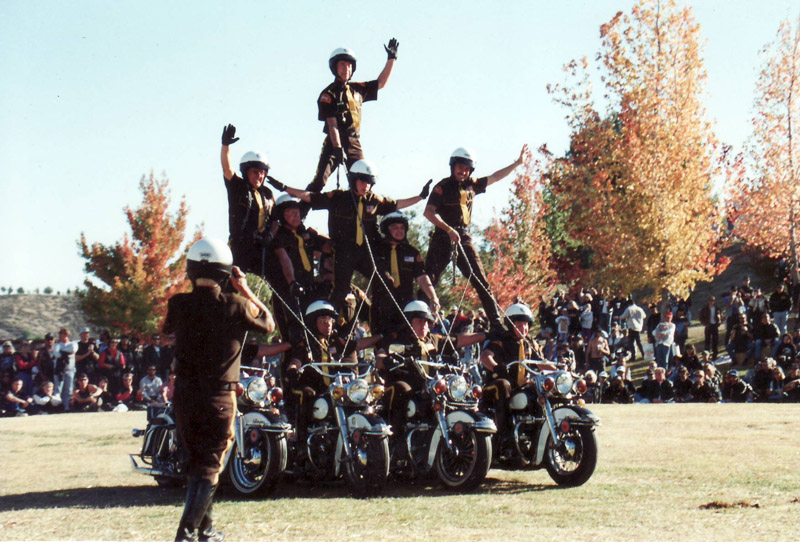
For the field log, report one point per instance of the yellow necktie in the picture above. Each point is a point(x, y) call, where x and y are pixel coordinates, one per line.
point(520, 370)
point(423, 354)
point(359, 230)
point(262, 212)
point(325, 358)
point(465, 212)
point(303, 256)
point(352, 105)
point(395, 268)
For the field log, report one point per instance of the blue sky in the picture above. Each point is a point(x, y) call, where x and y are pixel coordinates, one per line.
point(96, 94)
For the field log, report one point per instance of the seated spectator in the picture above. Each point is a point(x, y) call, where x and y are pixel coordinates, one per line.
point(592, 394)
point(712, 375)
point(734, 389)
point(46, 401)
point(741, 345)
point(618, 338)
point(657, 389)
point(150, 387)
point(127, 395)
point(703, 391)
point(17, 403)
point(85, 397)
point(762, 379)
point(785, 349)
point(683, 386)
point(617, 392)
point(765, 336)
point(105, 401)
point(776, 386)
point(168, 389)
point(791, 389)
point(620, 367)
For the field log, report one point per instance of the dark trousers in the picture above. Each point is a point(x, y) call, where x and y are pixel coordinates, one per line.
point(634, 339)
point(205, 417)
point(247, 255)
point(711, 343)
point(327, 162)
point(346, 259)
point(395, 400)
point(498, 391)
point(439, 254)
point(384, 316)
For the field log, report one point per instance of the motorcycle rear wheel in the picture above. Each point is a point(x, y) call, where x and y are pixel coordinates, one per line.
point(368, 470)
point(254, 478)
point(466, 466)
point(572, 470)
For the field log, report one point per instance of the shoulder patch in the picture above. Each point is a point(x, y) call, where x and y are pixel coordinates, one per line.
point(438, 190)
point(325, 98)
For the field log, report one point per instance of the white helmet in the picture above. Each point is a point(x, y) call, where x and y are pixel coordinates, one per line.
point(462, 156)
point(320, 308)
point(342, 53)
point(362, 170)
point(253, 159)
point(418, 309)
point(520, 312)
point(209, 258)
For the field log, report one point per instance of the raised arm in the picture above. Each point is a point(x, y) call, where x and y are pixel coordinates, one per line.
point(228, 139)
point(391, 53)
point(502, 173)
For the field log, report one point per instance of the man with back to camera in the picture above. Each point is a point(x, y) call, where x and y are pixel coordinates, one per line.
point(250, 204)
point(210, 328)
point(449, 208)
point(339, 106)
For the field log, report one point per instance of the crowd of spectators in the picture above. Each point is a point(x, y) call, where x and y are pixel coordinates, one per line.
point(597, 334)
point(50, 375)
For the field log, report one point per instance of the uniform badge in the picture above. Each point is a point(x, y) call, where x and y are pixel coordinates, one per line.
point(438, 190)
point(325, 98)
point(409, 258)
point(332, 350)
point(370, 209)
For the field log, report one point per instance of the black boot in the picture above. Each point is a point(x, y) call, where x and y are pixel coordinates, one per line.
point(198, 497)
point(208, 533)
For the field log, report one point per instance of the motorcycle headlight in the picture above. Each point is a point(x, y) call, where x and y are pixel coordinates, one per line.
point(564, 383)
point(357, 391)
point(457, 388)
point(255, 389)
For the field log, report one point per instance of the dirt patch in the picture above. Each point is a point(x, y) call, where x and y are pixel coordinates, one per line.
point(31, 316)
point(721, 505)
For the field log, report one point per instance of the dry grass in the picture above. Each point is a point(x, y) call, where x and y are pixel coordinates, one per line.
point(676, 472)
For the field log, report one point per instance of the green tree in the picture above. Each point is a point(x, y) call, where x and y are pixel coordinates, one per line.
point(48, 290)
point(139, 273)
point(20, 290)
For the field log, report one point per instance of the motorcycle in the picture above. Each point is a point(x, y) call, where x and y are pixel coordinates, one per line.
point(550, 427)
point(345, 435)
point(444, 430)
point(253, 464)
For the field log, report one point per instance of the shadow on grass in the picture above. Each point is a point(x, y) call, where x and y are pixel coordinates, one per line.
point(148, 495)
point(93, 497)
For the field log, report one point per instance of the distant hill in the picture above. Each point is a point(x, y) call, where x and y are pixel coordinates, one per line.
point(31, 316)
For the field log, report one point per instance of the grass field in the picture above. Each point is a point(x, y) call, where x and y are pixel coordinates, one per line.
point(665, 472)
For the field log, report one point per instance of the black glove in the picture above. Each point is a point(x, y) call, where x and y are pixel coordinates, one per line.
point(276, 183)
point(426, 189)
point(229, 135)
point(500, 372)
point(391, 49)
point(263, 238)
point(338, 155)
point(295, 289)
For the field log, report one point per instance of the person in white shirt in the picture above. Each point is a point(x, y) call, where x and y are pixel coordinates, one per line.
point(634, 316)
point(150, 387)
point(665, 338)
point(64, 351)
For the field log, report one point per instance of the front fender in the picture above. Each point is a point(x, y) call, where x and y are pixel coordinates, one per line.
point(370, 424)
point(579, 415)
point(477, 421)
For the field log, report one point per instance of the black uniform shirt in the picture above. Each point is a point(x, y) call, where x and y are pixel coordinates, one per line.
point(425, 349)
point(287, 239)
point(453, 200)
point(323, 350)
point(343, 101)
point(507, 349)
point(342, 206)
point(209, 329)
point(243, 208)
point(409, 267)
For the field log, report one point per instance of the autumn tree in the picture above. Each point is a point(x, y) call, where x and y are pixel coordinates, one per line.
point(767, 203)
point(143, 270)
point(635, 190)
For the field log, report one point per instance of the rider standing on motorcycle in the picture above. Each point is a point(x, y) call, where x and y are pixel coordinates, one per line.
point(419, 343)
point(449, 208)
point(322, 344)
point(512, 345)
point(401, 268)
point(209, 328)
point(295, 246)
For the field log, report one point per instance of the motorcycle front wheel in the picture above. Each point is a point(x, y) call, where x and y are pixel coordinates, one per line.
point(368, 468)
point(572, 462)
point(257, 472)
point(465, 466)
